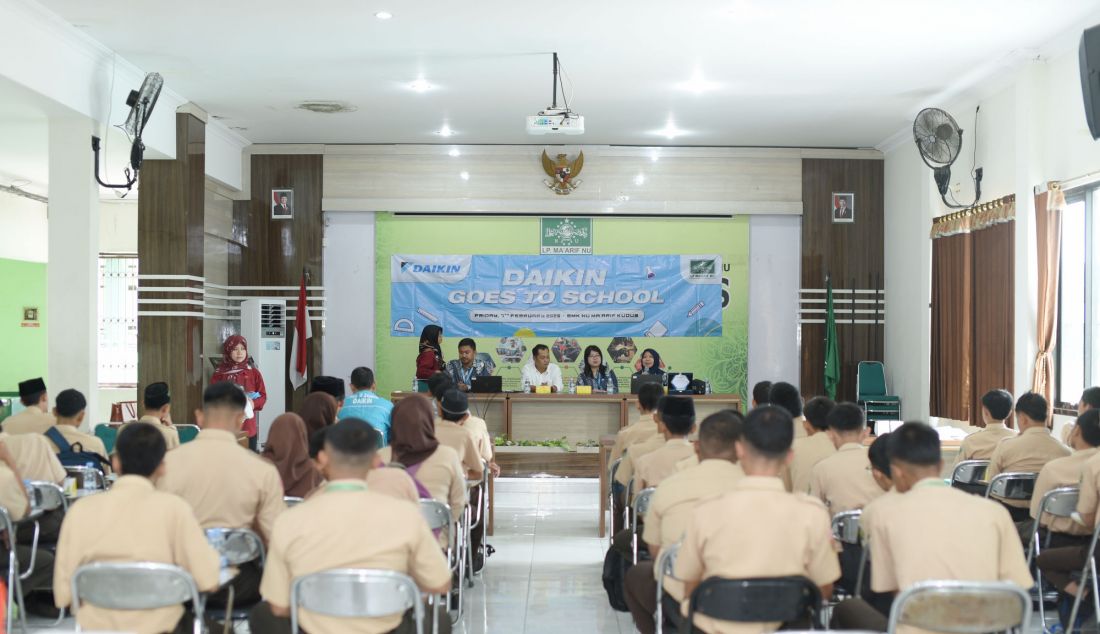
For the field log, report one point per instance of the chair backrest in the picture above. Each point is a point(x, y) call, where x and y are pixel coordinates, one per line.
point(290, 500)
point(613, 469)
point(437, 514)
point(969, 471)
point(870, 379)
point(237, 545)
point(846, 526)
point(47, 496)
point(1060, 502)
point(107, 433)
point(962, 607)
point(666, 560)
point(762, 600)
point(641, 503)
point(187, 432)
point(133, 586)
point(84, 475)
point(352, 593)
point(1012, 486)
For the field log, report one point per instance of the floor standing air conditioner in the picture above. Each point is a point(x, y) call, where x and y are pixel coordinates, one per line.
point(263, 324)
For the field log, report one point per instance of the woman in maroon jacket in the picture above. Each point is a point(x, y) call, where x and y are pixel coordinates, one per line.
point(430, 358)
point(235, 368)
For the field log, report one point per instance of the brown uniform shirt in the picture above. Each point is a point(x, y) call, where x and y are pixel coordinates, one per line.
point(677, 496)
point(641, 429)
point(757, 530)
point(461, 440)
point(980, 444)
point(1026, 453)
point(635, 451)
point(35, 457)
point(29, 421)
point(660, 463)
point(441, 474)
point(395, 483)
point(170, 433)
point(227, 485)
point(843, 480)
point(131, 522)
point(345, 525)
point(1061, 472)
point(799, 428)
point(480, 432)
point(1089, 498)
point(13, 497)
point(936, 532)
point(687, 463)
point(808, 451)
point(87, 441)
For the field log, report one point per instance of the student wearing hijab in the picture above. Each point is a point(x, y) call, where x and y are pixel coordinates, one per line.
point(430, 358)
point(318, 411)
point(414, 446)
point(595, 372)
point(235, 368)
point(288, 449)
point(650, 362)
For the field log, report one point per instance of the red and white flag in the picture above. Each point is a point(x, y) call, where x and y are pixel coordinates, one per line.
point(302, 332)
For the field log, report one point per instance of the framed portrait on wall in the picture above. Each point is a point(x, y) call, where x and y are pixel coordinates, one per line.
point(844, 207)
point(282, 204)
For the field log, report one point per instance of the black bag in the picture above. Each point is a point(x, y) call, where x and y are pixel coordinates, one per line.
point(614, 575)
point(74, 455)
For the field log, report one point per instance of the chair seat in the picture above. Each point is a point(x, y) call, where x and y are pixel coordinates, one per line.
point(878, 398)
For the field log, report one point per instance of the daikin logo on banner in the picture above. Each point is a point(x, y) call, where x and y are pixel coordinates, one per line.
point(429, 268)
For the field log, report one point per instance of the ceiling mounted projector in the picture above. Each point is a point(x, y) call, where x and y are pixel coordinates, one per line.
point(555, 120)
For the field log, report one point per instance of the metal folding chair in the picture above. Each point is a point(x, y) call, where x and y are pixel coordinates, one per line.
point(45, 497)
point(1088, 577)
point(290, 500)
point(474, 520)
point(962, 607)
point(135, 586)
point(14, 582)
point(84, 474)
point(354, 593)
point(238, 546)
point(611, 471)
point(1060, 502)
point(846, 530)
point(968, 472)
point(438, 516)
point(638, 508)
point(761, 600)
point(1016, 486)
point(666, 563)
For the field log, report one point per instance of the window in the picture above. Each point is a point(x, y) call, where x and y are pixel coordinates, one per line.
point(118, 307)
point(1077, 360)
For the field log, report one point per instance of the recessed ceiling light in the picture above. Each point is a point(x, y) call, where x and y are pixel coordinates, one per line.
point(454, 153)
point(383, 15)
point(622, 198)
point(670, 131)
point(445, 131)
point(639, 179)
point(420, 85)
point(464, 176)
point(655, 156)
point(697, 84)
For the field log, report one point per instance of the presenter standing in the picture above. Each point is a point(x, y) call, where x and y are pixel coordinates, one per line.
point(430, 358)
point(650, 362)
point(463, 369)
point(235, 368)
point(596, 374)
point(540, 371)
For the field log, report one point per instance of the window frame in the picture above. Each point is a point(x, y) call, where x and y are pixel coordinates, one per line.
point(114, 384)
point(1090, 196)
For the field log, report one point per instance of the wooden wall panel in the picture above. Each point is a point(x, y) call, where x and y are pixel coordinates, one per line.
point(851, 253)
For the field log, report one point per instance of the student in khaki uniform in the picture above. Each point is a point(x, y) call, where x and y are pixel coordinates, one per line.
point(1028, 452)
point(633, 441)
point(36, 418)
point(643, 428)
point(226, 485)
point(1084, 438)
point(35, 456)
point(671, 506)
point(787, 396)
point(134, 522)
point(843, 481)
point(932, 531)
point(157, 404)
point(453, 435)
point(346, 525)
point(13, 497)
point(758, 529)
point(1090, 399)
point(675, 421)
point(455, 409)
point(996, 408)
point(812, 448)
point(69, 411)
point(415, 448)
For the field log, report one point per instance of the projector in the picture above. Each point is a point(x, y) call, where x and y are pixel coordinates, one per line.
point(555, 122)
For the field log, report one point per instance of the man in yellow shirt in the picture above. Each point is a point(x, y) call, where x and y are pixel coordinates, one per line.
point(69, 412)
point(36, 418)
point(1028, 452)
point(996, 409)
point(814, 446)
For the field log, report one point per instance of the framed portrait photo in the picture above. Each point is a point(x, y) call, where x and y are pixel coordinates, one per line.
point(844, 207)
point(282, 204)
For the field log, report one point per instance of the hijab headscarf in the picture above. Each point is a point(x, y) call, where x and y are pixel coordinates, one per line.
point(656, 369)
point(228, 366)
point(318, 411)
point(429, 339)
point(286, 447)
point(413, 430)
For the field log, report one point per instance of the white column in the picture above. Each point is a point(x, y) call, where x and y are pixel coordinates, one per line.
point(72, 269)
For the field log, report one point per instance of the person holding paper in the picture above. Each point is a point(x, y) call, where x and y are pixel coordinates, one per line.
point(540, 371)
point(236, 367)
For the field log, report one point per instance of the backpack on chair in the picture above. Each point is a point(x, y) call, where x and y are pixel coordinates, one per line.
point(74, 455)
point(614, 577)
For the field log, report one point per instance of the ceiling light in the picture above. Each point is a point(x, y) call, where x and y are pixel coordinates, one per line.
point(420, 85)
point(697, 84)
point(445, 130)
point(383, 15)
point(454, 153)
point(670, 131)
point(464, 176)
point(622, 198)
point(654, 156)
point(639, 179)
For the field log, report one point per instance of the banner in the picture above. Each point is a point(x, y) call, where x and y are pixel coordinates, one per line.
point(557, 295)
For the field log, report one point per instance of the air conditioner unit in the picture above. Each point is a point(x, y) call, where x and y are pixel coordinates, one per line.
point(263, 324)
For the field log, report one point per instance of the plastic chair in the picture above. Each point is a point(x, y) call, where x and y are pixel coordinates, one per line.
point(354, 593)
point(1060, 502)
point(1012, 486)
point(769, 599)
point(962, 607)
point(872, 394)
point(14, 581)
point(135, 586)
point(438, 516)
point(290, 500)
point(968, 472)
point(640, 507)
point(187, 432)
point(107, 433)
point(666, 563)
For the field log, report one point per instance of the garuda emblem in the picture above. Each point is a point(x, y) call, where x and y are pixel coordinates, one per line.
point(562, 172)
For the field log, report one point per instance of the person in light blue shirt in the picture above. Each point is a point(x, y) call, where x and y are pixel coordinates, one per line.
point(367, 405)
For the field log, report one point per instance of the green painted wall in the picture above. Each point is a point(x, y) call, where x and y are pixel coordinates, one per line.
point(721, 359)
point(22, 285)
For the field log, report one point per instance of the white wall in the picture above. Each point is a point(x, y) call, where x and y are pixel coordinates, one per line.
point(349, 292)
point(774, 274)
point(23, 228)
point(118, 226)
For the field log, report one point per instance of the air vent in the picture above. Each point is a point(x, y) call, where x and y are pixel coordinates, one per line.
point(326, 107)
point(272, 319)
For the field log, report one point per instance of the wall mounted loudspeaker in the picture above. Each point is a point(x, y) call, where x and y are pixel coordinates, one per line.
point(1090, 77)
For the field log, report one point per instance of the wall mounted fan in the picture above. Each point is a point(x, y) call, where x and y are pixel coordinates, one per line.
point(141, 103)
point(939, 139)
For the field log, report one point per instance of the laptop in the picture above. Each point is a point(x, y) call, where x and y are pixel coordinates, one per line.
point(487, 384)
point(680, 383)
point(637, 380)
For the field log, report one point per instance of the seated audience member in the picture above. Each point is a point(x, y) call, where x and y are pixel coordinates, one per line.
point(415, 447)
point(318, 411)
point(13, 497)
point(346, 525)
point(1084, 438)
point(851, 555)
point(35, 419)
point(1028, 452)
point(157, 410)
point(996, 408)
point(288, 449)
point(644, 427)
point(35, 455)
point(843, 481)
point(760, 393)
point(365, 404)
point(330, 385)
point(675, 422)
point(1090, 399)
point(758, 529)
point(68, 410)
point(226, 485)
point(133, 522)
point(388, 480)
point(455, 410)
point(455, 436)
point(671, 505)
point(812, 448)
point(462, 370)
point(930, 531)
point(786, 396)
